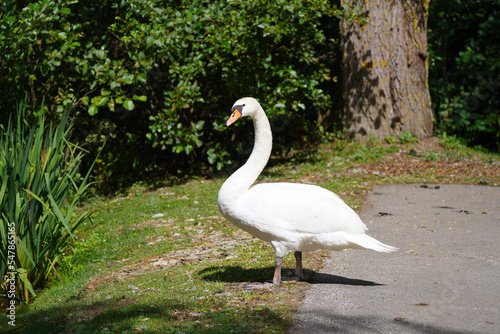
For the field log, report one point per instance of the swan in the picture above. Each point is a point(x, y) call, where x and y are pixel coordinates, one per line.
point(292, 217)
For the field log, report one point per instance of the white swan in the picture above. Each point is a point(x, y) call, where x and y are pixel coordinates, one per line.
point(290, 216)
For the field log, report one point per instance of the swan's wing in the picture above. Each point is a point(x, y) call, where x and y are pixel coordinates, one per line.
point(300, 208)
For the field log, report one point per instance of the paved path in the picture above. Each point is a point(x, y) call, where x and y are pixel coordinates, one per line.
point(445, 277)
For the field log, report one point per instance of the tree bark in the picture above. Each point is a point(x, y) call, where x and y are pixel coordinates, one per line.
point(385, 70)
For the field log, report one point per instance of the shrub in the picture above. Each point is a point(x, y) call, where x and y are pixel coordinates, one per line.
point(156, 79)
point(39, 190)
point(465, 69)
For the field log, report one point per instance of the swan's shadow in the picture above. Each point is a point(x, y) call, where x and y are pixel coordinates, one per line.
point(322, 278)
point(237, 274)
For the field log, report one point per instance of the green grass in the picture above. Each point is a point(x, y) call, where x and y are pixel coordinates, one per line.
point(118, 288)
point(185, 272)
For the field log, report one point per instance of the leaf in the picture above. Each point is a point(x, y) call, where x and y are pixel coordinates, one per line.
point(142, 98)
point(93, 110)
point(149, 41)
point(128, 78)
point(103, 101)
point(55, 206)
point(114, 85)
point(105, 92)
point(199, 125)
point(101, 54)
point(188, 149)
point(212, 158)
point(142, 77)
point(23, 276)
point(111, 104)
point(129, 105)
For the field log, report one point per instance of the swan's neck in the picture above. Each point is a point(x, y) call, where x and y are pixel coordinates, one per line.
point(241, 180)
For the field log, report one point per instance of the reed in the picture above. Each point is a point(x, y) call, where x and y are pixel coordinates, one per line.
point(40, 188)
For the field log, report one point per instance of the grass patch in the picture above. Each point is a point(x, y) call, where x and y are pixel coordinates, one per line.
point(164, 260)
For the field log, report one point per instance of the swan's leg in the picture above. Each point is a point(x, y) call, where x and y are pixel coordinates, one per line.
point(277, 271)
point(298, 266)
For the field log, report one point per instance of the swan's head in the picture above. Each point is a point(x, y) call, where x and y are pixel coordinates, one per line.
point(247, 106)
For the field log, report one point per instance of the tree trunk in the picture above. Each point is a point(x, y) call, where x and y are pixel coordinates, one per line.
point(385, 70)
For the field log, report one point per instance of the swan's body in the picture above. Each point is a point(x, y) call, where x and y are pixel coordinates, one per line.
point(290, 216)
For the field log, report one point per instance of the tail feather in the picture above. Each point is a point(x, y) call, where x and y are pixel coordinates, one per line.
point(367, 242)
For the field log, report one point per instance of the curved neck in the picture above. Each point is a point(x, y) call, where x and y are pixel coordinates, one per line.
point(245, 176)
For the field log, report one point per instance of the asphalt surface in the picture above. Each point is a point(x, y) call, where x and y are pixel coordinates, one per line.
point(445, 277)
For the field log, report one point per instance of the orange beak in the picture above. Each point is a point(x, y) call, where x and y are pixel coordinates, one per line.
point(235, 115)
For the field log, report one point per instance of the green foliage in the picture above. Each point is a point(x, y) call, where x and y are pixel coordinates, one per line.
point(40, 188)
point(156, 79)
point(366, 153)
point(48, 51)
point(390, 139)
point(465, 69)
point(450, 142)
point(407, 137)
point(229, 50)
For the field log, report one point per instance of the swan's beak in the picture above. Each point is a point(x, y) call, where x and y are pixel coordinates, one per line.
point(235, 115)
